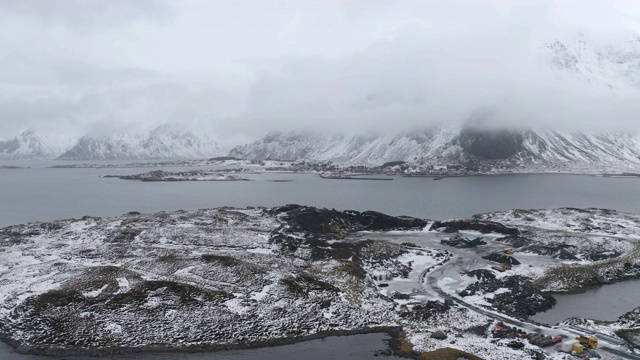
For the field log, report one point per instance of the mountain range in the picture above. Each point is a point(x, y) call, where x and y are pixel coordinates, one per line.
point(459, 145)
point(33, 145)
point(161, 143)
point(164, 142)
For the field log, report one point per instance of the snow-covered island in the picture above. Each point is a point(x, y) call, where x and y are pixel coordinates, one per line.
point(193, 175)
point(229, 278)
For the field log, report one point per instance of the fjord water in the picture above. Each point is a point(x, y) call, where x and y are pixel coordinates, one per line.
point(40, 193)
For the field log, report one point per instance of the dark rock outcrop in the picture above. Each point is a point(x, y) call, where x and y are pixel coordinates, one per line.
point(501, 258)
point(482, 274)
point(515, 241)
point(522, 301)
point(323, 221)
point(563, 252)
point(490, 144)
point(485, 227)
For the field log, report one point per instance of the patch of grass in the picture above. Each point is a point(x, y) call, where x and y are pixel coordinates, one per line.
point(573, 276)
point(188, 294)
point(293, 286)
point(406, 347)
point(220, 259)
point(314, 284)
point(352, 269)
point(382, 250)
point(168, 258)
point(576, 277)
point(53, 298)
point(303, 283)
point(125, 235)
point(447, 354)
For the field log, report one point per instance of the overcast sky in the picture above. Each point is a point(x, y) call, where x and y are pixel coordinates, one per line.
point(237, 69)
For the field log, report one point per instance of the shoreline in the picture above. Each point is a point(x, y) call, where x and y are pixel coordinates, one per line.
point(199, 163)
point(393, 331)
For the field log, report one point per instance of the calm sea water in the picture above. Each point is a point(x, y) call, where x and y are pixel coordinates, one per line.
point(40, 193)
point(43, 194)
point(618, 299)
point(354, 347)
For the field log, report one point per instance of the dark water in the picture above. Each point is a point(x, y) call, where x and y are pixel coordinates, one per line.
point(43, 194)
point(354, 347)
point(618, 299)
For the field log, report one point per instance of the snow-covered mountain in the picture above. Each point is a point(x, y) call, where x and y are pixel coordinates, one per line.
point(615, 65)
point(351, 149)
point(442, 145)
point(163, 142)
point(34, 145)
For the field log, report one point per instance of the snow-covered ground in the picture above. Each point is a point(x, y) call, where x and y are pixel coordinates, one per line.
point(216, 277)
point(193, 175)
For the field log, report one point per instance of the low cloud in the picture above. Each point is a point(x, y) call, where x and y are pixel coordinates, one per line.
point(237, 70)
point(418, 81)
point(86, 15)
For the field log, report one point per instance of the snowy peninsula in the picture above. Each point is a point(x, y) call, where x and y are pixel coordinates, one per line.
point(228, 278)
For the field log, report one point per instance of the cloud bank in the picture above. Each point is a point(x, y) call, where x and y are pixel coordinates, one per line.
point(238, 69)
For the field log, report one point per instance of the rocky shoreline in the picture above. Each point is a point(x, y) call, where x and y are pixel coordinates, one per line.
point(394, 345)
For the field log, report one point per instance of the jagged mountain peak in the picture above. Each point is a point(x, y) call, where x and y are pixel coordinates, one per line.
point(614, 64)
point(164, 142)
point(31, 144)
point(454, 144)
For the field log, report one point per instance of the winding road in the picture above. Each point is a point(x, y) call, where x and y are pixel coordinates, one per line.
point(614, 348)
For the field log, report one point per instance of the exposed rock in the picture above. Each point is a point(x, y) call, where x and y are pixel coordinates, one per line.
point(485, 227)
point(482, 274)
point(501, 258)
point(333, 221)
point(515, 241)
point(492, 144)
point(522, 301)
point(440, 335)
point(563, 252)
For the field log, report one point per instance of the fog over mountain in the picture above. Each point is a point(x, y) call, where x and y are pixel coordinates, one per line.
point(237, 70)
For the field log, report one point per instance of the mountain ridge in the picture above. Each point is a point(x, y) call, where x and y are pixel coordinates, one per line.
point(447, 145)
point(30, 144)
point(163, 142)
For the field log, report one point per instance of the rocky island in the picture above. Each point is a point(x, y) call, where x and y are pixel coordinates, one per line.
point(235, 278)
point(193, 175)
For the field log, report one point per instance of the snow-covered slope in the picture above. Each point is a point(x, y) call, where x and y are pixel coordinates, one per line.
point(604, 148)
point(613, 64)
point(33, 145)
point(453, 144)
point(352, 149)
point(161, 143)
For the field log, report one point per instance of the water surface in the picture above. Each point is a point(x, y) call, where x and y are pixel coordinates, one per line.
point(44, 194)
point(353, 347)
point(604, 303)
